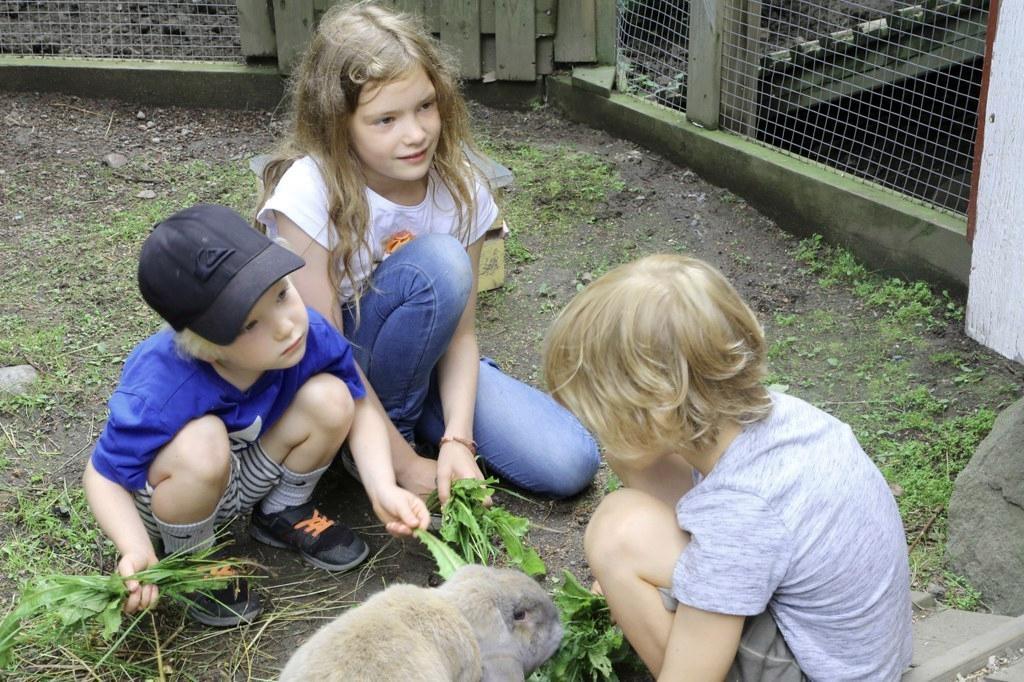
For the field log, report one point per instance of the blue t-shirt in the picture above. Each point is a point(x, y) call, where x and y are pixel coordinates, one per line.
point(161, 391)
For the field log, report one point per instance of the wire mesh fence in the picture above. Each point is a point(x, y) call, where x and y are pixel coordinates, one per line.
point(885, 90)
point(192, 30)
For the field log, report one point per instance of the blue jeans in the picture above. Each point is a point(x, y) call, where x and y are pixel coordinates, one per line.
point(407, 320)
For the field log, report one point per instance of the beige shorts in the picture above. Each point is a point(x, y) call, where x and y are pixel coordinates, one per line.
point(763, 653)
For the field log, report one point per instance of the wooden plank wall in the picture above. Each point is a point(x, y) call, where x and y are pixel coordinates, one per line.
point(517, 40)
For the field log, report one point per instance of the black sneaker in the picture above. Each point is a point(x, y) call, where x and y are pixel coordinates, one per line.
point(320, 540)
point(228, 606)
point(348, 463)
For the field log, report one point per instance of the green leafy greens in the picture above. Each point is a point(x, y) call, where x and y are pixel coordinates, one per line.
point(592, 643)
point(447, 560)
point(470, 527)
point(54, 606)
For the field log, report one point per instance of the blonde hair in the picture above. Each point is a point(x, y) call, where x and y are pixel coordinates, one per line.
point(357, 46)
point(655, 356)
point(190, 345)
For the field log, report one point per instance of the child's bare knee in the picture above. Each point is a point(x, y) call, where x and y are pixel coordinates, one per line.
point(327, 401)
point(615, 527)
point(203, 450)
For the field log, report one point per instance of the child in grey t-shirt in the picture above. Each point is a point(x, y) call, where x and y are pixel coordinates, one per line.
point(753, 537)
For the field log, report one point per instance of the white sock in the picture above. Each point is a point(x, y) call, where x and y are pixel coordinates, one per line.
point(186, 537)
point(293, 490)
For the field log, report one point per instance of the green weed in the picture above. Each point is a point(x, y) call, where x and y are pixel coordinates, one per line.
point(960, 594)
point(905, 302)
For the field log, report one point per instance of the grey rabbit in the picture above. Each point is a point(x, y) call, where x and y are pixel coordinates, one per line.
point(483, 624)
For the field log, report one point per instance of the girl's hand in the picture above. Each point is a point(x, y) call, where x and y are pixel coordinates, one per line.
point(400, 511)
point(140, 597)
point(455, 461)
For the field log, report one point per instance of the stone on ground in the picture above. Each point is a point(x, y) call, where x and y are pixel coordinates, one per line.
point(986, 516)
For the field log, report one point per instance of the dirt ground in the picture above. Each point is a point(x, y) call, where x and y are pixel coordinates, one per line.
point(664, 207)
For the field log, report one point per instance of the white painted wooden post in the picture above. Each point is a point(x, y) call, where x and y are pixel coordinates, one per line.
point(995, 299)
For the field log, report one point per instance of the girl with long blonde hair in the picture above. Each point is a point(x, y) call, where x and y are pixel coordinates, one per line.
point(373, 188)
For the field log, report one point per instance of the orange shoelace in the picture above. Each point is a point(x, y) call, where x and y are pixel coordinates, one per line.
point(223, 572)
point(314, 525)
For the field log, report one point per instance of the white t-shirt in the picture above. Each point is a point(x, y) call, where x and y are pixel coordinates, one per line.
point(795, 517)
point(301, 195)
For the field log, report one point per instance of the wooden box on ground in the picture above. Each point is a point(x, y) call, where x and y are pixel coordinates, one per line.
point(492, 258)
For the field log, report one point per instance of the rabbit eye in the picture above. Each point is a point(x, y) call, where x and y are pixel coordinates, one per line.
point(519, 614)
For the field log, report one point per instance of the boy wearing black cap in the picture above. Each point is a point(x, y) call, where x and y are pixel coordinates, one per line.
point(241, 405)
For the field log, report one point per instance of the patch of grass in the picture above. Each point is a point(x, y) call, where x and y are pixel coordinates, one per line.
point(918, 408)
point(904, 301)
point(960, 594)
point(51, 530)
point(555, 189)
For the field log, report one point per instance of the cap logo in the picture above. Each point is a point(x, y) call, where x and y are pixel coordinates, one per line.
point(208, 260)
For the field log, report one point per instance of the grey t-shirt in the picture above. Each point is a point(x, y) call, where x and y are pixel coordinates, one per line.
point(796, 518)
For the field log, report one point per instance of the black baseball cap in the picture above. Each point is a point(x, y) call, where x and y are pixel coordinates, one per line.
point(205, 267)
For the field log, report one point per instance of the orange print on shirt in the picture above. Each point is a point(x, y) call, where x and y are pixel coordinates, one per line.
point(397, 241)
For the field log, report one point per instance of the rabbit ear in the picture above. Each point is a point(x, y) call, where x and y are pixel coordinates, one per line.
point(502, 668)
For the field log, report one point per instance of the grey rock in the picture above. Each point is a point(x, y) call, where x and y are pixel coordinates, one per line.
point(115, 160)
point(16, 380)
point(146, 194)
point(986, 516)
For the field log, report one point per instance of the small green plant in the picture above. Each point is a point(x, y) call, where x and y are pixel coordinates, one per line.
point(592, 644)
point(53, 607)
point(960, 594)
point(470, 527)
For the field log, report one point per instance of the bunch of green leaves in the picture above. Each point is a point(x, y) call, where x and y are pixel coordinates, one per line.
point(592, 644)
point(53, 607)
point(471, 527)
point(447, 560)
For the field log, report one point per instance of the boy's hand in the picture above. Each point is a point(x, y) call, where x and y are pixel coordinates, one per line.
point(400, 511)
point(455, 461)
point(139, 597)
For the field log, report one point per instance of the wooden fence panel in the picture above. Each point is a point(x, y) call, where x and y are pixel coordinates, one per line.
point(740, 63)
point(526, 41)
point(704, 70)
point(408, 6)
point(545, 55)
point(547, 17)
point(293, 24)
point(575, 37)
point(256, 28)
point(460, 31)
point(432, 15)
point(515, 27)
point(606, 31)
point(487, 16)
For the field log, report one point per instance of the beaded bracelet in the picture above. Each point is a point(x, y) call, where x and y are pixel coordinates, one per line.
point(469, 443)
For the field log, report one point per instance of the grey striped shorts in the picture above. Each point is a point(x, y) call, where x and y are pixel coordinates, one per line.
point(763, 653)
point(253, 475)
